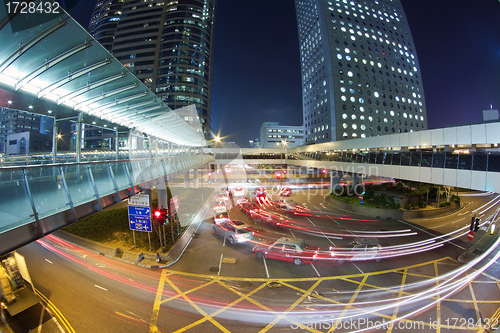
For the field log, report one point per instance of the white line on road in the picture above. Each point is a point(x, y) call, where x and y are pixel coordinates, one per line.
point(47, 260)
point(357, 268)
point(220, 263)
point(265, 265)
point(291, 233)
point(315, 269)
point(101, 287)
point(310, 221)
point(463, 213)
point(463, 248)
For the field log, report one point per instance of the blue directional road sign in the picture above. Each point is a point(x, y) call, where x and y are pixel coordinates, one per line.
point(139, 218)
point(361, 202)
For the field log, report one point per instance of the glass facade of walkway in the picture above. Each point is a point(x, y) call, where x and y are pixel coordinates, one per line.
point(31, 193)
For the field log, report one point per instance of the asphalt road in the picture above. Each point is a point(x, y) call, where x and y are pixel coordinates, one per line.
point(217, 286)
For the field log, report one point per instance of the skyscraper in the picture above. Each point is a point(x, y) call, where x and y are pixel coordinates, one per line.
point(360, 72)
point(166, 44)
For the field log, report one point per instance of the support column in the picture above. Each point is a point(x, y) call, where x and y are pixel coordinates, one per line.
point(335, 177)
point(357, 183)
point(54, 142)
point(117, 145)
point(186, 179)
point(196, 178)
point(79, 137)
point(150, 147)
point(130, 144)
point(162, 195)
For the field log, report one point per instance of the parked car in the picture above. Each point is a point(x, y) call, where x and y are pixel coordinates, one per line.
point(287, 249)
point(234, 231)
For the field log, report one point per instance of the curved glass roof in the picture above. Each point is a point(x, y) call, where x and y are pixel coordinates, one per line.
point(51, 58)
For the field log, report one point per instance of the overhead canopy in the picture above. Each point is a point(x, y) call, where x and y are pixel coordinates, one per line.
point(51, 63)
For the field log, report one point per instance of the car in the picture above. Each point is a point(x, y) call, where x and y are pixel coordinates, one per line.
point(287, 249)
point(238, 192)
point(246, 206)
point(224, 190)
point(222, 196)
point(234, 231)
point(221, 217)
point(285, 192)
point(360, 249)
point(261, 197)
point(275, 219)
point(220, 206)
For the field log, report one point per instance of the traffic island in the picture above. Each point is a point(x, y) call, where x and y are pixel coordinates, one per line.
point(384, 213)
point(476, 249)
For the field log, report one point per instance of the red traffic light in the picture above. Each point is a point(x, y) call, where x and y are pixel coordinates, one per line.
point(157, 213)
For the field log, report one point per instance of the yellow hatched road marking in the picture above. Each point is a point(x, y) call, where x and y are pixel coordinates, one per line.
point(438, 304)
point(339, 319)
point(474, 301)
point(376, 287)
point(305, 293)
point(290, 308)
point(194, 305)
point(396, 308)
point(189, 291)
point(242, 297)
point(56, 311)
point(156, 305)
point(325, 278)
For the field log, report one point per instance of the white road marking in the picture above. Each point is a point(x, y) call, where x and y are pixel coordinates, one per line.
point(310, 221)
point(463, 213)
point(463, 248)
point(315, 269)
point(265, 265)
point(357, 268)
point(101, 287)
point(47, 260)
point(220, 263)
point(291, 233)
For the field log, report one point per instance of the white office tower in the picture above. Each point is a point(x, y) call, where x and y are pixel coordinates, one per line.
point(360, 72)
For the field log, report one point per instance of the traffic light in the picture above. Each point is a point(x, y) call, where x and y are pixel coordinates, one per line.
point(472, 223)
point(161, 216)
point(476, 226)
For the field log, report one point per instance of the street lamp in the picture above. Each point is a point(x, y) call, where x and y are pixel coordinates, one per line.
point(283, 144)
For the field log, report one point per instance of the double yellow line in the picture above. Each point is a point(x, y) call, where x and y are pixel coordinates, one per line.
point(61, 319)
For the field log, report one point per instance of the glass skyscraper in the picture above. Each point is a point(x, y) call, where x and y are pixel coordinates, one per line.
point(360, 72)
point(166, 44)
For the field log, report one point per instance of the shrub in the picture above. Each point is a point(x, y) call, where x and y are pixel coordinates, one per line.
point(444, 204)
point(407, 206)
point(456, 199)
point(422, 204)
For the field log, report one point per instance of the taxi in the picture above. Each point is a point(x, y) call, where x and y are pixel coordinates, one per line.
point(287, 249)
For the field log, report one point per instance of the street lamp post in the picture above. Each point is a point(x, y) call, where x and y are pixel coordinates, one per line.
point(283, 143)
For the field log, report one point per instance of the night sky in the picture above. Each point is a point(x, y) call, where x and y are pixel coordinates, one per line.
point(256, 68)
